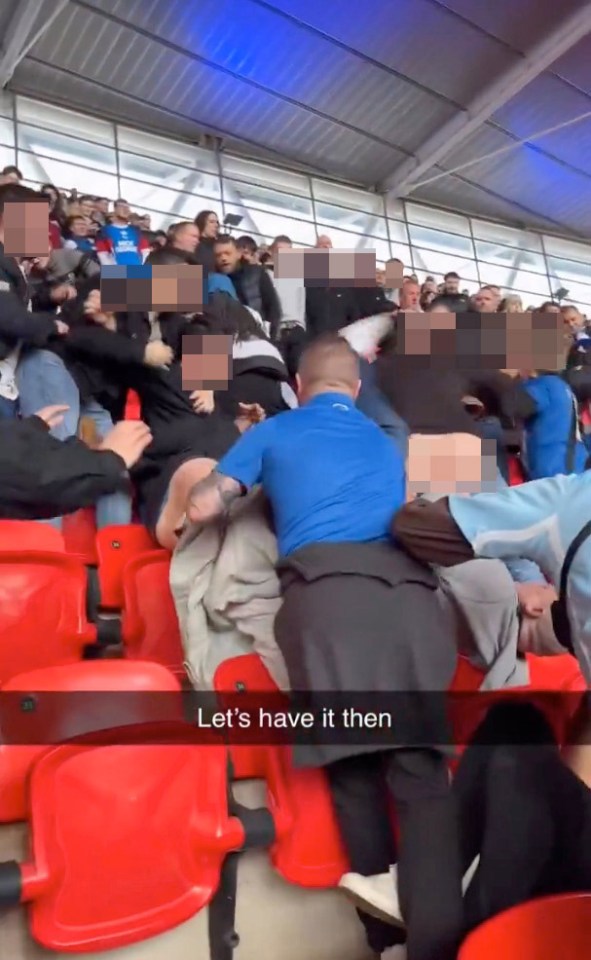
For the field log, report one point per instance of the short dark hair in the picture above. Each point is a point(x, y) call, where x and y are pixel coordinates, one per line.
point(176, 228)
point(17, 193)
point(119, 200)
point(225, 238)
point(86, 197)
point(452, 275)
point(546, 304)
point(12, 169)
point(76, 216)
point(247, 243)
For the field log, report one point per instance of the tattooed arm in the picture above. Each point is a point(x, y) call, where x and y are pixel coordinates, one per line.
point(211, 497)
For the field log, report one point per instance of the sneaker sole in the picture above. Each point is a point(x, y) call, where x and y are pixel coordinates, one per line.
point(371, 909)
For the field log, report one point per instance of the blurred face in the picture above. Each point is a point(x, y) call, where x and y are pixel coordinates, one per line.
point(102, 206)
point(187, 239)
point(146, 222)
point(227, 257)
point(410, 295)
point(11, 177)
point(86, 208)
point(380, 277)
point(486, 301)
point(122, 212)
point(573, 319)
point(80, 227)
point(212, 227)
point(514, 305)
point(452, 285)
point(249, 256)
point(552, 308)
point(324, 243)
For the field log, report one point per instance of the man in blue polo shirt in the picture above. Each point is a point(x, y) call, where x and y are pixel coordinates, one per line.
point(358, 617)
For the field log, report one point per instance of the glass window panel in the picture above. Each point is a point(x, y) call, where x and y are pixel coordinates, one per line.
point(161, 148)
point(66, 176)
point(529, 299)
point(169, 176)
point(568, 270)
point(577, 291)
point(6, 104)
point(351, 220)
point(362, 200)
point(438, 219)
point(252, 194)
point(567, 249)
point(492, 253)
point(270, 225)
point(444, 242)
point(499, 233)
point(49, 117)
point(6, 132)
point(380, 247)
point(507, 278)
point(395, 208)
point(439, 263)
point(402, 252)
point(7, 157)
point(55, 146)
point(251, 172)
point(398, 231)
point(180, 205)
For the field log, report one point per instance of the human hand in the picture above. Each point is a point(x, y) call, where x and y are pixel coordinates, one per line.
point(157, 354)
point(52, 416)
point(128, 440)
point(203, 401)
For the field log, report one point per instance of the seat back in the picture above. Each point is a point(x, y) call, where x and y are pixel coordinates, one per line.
point(150, 628)
point(30, 535)
point(308, 850)
point(79, 530)
point(128, 840)
point(552, 928)
point(42, 611)
point(116, 546)
point(79, 700)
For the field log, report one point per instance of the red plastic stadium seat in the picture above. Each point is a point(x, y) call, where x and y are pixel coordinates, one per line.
point(42, 611)
point(79, 530)
point(516, 474)
point(308, 850)
point(553, 928)
point(116, 546)
point(30, 535)
point(133, 409)
point(128, 840)
point(70, 710)
point(149, 626)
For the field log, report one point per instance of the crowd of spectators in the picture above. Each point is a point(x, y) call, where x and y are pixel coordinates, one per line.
point(70, 358)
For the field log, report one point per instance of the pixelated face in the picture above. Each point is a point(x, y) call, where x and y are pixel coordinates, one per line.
point(227, 257)
point(207, 361)
point(174, 287)
point(327, 268)
point(26, 228)
point(456, 463)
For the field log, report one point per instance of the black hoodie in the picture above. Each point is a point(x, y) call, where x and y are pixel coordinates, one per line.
point(17, 323)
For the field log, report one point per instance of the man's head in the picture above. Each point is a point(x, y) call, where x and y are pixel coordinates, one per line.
point(451, 283)
point(282, 242)
point(573, 318)
point(11, 174)
point(410, 295)
point(184, 236)
point(323, 242)
point(24, 221)
point(328, 365)
point(101, 204)
point(227, 254)
point(122, 213)
point(550, 306)
point(487, 299)
point(87, 206)
point(77, 226)
point(248, 249)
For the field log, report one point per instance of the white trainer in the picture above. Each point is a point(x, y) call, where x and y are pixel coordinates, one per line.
point(377, 895)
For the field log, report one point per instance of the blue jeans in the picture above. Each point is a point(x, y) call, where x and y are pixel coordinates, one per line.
point(8, 409)
point(44, 381)
point(374, 405)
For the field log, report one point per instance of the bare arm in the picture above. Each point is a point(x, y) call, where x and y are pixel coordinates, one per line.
point(211, 497)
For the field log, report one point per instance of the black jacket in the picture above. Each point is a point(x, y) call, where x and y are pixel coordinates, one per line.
point(255, 289)
point(329, 308)
point(41, 477)
point(17, 323)
point(372, 300)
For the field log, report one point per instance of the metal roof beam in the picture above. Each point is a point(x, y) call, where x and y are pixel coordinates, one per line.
point(453, 133)
point(20, 36)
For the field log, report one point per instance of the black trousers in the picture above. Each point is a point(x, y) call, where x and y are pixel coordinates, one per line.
point(429, 865)
point(523, 811)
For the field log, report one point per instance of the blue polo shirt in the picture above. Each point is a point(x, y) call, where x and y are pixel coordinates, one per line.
point(330, 473)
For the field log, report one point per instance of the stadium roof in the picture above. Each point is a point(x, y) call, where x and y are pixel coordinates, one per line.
point(480, 106)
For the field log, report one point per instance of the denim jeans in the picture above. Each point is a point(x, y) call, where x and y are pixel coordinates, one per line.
point(374, 405)
point(44, 381)
point(8, 409)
